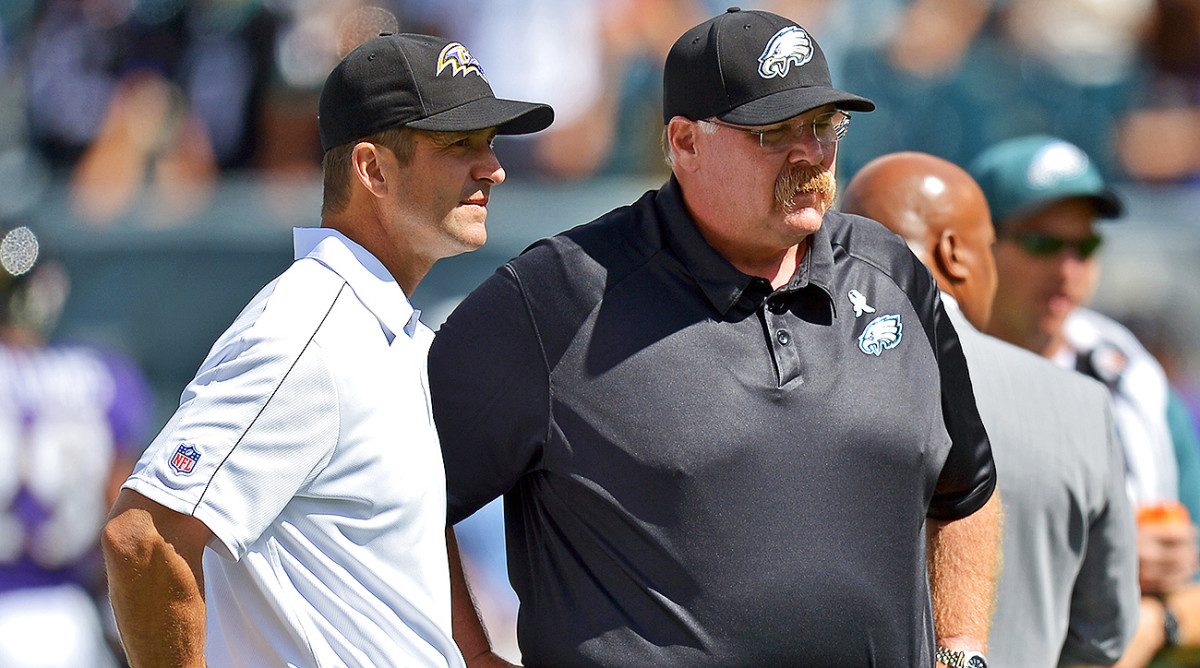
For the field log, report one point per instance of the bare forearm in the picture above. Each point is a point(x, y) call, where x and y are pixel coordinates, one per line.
point(469, 632)
point(964, 563)
point(157, 589)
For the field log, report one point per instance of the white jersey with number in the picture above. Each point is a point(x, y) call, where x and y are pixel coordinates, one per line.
point(306, 444)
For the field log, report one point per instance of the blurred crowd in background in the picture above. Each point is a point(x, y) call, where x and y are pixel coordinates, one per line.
point(170, 95)
point(157, 102)
point(111, 105)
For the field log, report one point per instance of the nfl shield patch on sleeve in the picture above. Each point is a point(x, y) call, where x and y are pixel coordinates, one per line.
point(184, 459)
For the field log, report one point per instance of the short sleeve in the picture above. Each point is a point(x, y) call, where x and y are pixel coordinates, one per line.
point(251, 430)
point(489, 386)
point(968, 476)
point(1105, 599)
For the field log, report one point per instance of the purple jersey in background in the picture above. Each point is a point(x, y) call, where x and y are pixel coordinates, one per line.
point(67, 414)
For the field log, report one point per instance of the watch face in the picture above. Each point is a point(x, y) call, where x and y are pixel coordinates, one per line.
point(976, 662)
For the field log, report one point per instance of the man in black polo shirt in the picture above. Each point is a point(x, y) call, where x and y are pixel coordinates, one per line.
point(732, 427)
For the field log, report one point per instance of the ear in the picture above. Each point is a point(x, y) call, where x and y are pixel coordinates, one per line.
point(367, 161)
point(948, 256)
point(681, 141)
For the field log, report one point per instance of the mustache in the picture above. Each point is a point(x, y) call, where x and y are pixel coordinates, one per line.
point(804, 179)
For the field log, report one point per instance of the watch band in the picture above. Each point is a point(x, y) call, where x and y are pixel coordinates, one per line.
point(1170, 627)
point(960, 659)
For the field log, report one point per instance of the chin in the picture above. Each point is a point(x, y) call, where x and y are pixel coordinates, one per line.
point(1052, 325)
point(805, 220)
point(473, 239)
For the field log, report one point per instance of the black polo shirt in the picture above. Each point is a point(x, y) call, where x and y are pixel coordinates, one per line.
point(700, 470)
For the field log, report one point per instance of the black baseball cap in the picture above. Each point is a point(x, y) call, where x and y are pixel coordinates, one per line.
point(421, 82)
point(749, 68)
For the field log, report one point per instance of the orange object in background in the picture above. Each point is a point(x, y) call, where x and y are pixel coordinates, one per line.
point(1167, 512)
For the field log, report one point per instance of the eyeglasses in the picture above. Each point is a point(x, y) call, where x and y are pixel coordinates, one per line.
point(1045, 245)
point(827, 128)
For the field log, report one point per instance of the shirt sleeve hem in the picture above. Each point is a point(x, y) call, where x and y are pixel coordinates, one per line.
point(221, 543)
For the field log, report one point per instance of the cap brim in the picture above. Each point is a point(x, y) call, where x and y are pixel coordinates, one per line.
point(1108, 205)
point(786, 104)
point(509, 117)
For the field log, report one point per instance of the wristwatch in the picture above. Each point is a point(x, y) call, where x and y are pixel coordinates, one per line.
point(960, 659)
point(1170, 627)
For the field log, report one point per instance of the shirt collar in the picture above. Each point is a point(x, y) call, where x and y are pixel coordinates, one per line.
point(950, 302)
point(364, 273)
point(954, 310)
point(816, 268)
point(720, 281)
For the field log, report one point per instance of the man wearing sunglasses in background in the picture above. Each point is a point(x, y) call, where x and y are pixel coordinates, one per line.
point(1046, 196)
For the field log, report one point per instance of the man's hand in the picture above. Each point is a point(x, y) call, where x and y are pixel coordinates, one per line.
point(1168, 556)
point(1185, 604)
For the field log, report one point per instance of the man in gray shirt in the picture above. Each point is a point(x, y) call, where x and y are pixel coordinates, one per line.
point(1068, 593)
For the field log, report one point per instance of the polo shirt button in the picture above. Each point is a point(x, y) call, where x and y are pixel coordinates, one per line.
point(783, 337)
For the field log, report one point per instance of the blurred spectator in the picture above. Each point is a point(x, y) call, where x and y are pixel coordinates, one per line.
point(598, 62)
point(164, 92)
point(72, 420)
point(24, 178)
point(216, 57)
point(1046, 195)
point(1165, 334)
point(1160, 140)
point(1068, 591)
point(953, 77)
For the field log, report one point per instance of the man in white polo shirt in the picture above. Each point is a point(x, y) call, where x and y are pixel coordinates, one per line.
point(303, 455)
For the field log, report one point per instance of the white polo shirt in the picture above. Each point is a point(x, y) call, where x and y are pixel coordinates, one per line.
point(306, 444)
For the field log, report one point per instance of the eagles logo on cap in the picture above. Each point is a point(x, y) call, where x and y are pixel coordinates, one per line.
point(790, 45)
point(1057, 161)
point(1023, 174)
point(749, 68)
point(459, 60)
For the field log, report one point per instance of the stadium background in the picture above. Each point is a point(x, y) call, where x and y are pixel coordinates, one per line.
point(163, 149)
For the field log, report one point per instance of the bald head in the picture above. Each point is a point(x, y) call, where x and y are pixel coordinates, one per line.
point(943, 215)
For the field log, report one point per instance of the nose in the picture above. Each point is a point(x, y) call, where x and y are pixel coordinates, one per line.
point(489, 169)
point(1071, 264)
point(805, 147)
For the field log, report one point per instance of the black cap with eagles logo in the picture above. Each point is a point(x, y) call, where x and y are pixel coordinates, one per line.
point(749, 68)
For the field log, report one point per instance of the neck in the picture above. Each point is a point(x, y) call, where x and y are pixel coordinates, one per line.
point(1050, 346)
point(401, 261)
point(408, 276)
point(776, 266)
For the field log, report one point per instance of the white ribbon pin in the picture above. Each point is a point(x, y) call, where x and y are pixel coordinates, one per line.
point(859, 302)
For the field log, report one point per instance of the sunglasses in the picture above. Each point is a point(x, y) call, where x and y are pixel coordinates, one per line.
point(1045, 245)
